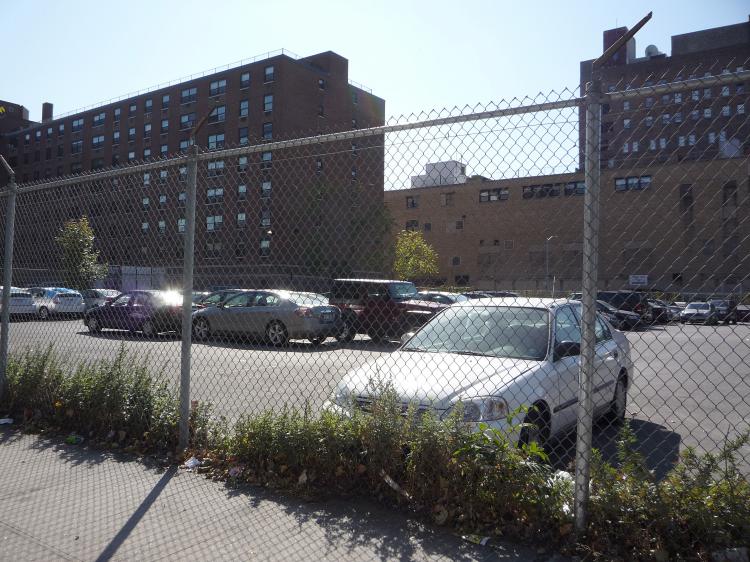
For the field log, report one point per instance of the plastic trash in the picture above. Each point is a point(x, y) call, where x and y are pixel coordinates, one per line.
point(6, 421)
point(191, 463)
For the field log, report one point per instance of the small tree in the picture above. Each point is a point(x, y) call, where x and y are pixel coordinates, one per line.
point(414, 257)
point(80, 260)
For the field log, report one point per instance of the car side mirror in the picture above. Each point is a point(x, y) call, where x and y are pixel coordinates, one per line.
point(567, 349)
point(406, 337)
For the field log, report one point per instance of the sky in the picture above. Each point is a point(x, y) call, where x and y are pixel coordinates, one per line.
point(417, 55)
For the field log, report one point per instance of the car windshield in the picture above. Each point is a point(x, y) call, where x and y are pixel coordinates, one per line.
point(718, 303)
point(307, 299)
point(495, 331)
point(402, 290)
point(698, 306)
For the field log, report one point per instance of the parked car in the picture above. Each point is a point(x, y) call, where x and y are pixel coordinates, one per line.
point(497, 358)
point(442, 297)
point(148, 312)
point(382, 309)
point(620, 319)
point(726, 310)
point(276, 315)
point(699, 312)
point(98, 297)
point(57, 301)
point(489, 294)
point(215, 298)
point(662, 312)
point(21, 303)
point(743, 313)
point(631, 301)
point(199, 295)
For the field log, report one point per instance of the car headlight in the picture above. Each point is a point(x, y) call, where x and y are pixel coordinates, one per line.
point(480, 409)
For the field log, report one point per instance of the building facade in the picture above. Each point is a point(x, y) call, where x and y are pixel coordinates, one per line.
point(254, 213)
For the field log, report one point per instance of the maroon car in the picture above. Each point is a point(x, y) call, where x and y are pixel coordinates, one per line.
point(383, 309)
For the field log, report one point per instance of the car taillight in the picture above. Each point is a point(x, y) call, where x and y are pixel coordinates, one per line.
point(304, 312)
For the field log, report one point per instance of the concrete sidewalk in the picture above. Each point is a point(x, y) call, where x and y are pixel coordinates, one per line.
point(65, 502)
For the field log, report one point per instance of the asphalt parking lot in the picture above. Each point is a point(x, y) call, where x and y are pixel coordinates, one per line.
point(691, 386)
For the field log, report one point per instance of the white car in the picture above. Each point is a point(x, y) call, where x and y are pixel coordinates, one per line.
point(57, 301)
point(21, 302)
point(498, 357)
point(98, 297)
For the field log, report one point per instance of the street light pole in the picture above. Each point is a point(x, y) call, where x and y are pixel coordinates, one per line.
point(546, 262)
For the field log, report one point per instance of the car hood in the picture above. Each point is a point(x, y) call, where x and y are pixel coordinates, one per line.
point(434, 379)
point(418, 304)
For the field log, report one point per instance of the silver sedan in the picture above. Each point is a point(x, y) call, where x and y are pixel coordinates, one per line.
point(276, 315)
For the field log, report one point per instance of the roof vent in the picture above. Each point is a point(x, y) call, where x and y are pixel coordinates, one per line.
point(652, 51)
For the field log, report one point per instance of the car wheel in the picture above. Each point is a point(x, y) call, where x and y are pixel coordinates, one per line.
point(147, 329)
point(277, 334)
point(619, 402)
point(43, 313)
point(536, 428)
point(93, 325)
point(317, 341)
point(201, 329)
point(347, 333)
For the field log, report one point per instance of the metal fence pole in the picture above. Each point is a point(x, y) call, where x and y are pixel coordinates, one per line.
point(187, 300)
point(588, 298)
point(10, 219)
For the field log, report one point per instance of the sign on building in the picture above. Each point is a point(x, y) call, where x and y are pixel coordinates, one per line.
point(638, 280)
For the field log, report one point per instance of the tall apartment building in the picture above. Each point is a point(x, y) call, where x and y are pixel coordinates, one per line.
point(254, 211)
point(675, 195)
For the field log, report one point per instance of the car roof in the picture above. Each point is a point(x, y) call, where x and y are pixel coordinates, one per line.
point(370, 281)
point(524, 302)
point(448, 293)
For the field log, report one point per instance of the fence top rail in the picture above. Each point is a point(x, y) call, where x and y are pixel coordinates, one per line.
point(681, 86)
point(298, 142)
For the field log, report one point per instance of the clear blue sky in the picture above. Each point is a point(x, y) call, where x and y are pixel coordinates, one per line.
point(418, 55)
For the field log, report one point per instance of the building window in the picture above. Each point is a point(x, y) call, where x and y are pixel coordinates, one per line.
point(165, 101)
point(492, 195)
point(575, 188)
point(427, 227)
point(681, 140)
point(268, 103)
point(148, 105)
point(215, 168)
point(61, 129)
point(652, 144)
point(726, 111)
point(215, 195)
point(132, 109)
point(242, 164)
point(162, 225)
point(355, 97)
point(707, 113)
point(163, 150)
point(740, 89)
point(131, 134)
point(648, 121)
point(216, 141)
point(412, 225)
point(75, 168)
point(116, 137)
point(96, 164)
point(321, 84)
point(217, 87)
point(665, 99)
point(213, 223)
point(131, 156)
point(625, 148)
point(245, 80)
point(707, 93)
point(116, 114)
point(666, 119)
point(269, 74)
point(459, 225)
point(244, 108)
point(218, 114)
point(147, 130)
point(649, 102)
point(446, 199)
point(77, 125)
point(265, 189)
point(144, 227)
point(634, 146)
point(182, 198)
point(621, 184)
point(695, 95)
point(164, 125)
point(626, 105)
point(98, 119)
point(677, 117)
point(76, 147)
point(242, 192)
point(242, 135)
point(183, 173)
point(691, 140)
point(146, 153)
point(678, 97)
point(725, 91)
point(267, 131)
point(241, 220)
point(147, 178)
point(265, 218)
point(626, 123)
point(181, 223)
point(412, 202)
point(60, 151)
point(740, 109)
point(187, 121)
point(266, 159)
point(146, 202)
point(265, 246)
point(662, 143)
point(97, 142)
point(185, 144)
point(711, 138)
point(456, 260)
point(188, 95)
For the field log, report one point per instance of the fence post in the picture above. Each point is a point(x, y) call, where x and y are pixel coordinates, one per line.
point(588, 297)
point(10, 219)
point(187, 298)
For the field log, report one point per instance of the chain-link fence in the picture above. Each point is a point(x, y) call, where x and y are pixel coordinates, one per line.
point(629, 205)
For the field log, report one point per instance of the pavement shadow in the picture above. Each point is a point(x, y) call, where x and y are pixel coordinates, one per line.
point(358, 523)
point(659, 446)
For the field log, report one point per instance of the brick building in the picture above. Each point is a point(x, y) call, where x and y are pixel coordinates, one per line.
point(255, 213)
point(675, 198)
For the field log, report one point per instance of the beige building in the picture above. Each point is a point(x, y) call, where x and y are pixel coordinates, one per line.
point(673, 226)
